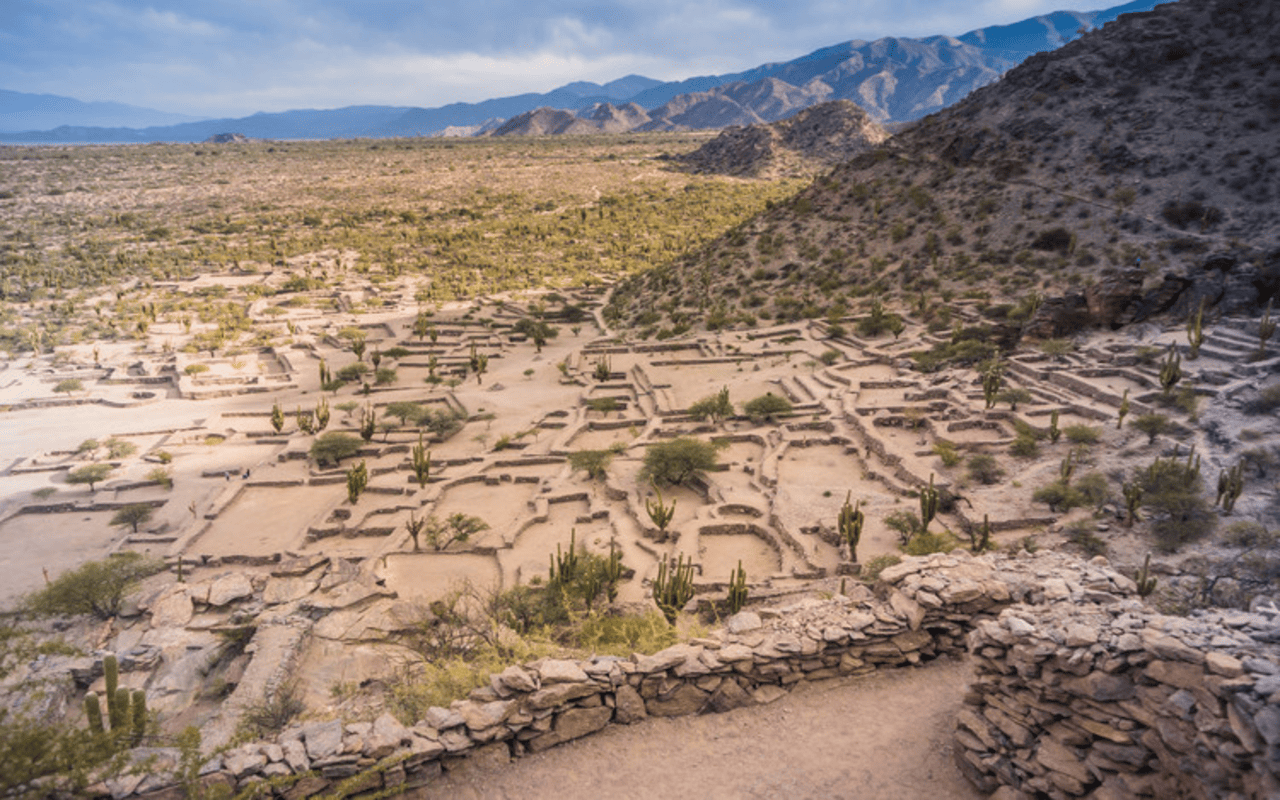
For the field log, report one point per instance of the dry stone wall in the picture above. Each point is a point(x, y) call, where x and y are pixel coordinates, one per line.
point(1039, 626)
point(1110, 700)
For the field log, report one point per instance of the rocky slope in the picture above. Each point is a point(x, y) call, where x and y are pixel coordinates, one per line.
point(813, 139)
point(1149, 142)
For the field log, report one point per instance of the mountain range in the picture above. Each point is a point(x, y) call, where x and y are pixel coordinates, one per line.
point(894, 79)
point(1135, 167)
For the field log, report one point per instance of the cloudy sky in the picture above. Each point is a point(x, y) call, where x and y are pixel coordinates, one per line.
point(236, 57)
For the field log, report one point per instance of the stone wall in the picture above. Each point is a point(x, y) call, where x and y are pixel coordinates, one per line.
point(1080, 688)
point(1110, 700)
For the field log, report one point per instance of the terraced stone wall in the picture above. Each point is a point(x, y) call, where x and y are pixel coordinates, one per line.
point(1113, 700)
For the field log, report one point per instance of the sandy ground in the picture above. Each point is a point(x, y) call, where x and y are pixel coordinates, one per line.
point(886, 735)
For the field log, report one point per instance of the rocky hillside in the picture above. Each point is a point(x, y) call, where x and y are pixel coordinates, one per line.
point(1153, 138)
point(814, 139)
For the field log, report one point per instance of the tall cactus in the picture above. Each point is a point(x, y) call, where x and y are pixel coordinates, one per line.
point(111, 675)
point(980, 538)
point(421, 462)
point(1230, 487)
point(603, 369)
point(1132, 499)
point(1171, 370)
point(138, 708)
point(850, 524)
point(991, 384)
point(1055, 433)
point(93, 710)
point(1266, 328)
point(322, 414)
point(564, 566)
point(737, 589)
point(673, 587)
point(660, 514)
point(277, 418)
point(1146, 583)
point(1195, 331)
point(119, 709)
point(928, 505)
point(613, 572)
point(1123, 411)
point(1067, 468)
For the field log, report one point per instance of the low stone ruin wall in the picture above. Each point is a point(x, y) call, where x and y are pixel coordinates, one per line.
point(1081, 688)
point(1112, 700)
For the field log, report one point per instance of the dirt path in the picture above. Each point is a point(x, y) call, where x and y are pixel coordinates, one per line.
point(886, 735)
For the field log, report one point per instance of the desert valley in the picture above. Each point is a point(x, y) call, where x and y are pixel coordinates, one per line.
point(365, 467)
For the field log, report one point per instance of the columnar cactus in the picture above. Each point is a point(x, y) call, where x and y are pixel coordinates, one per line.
point(850, 524)
point(1195, 331)
point(1171, 370)
point(673, 587)
point(928, 505)
point(737, 589)
point(1123, 410)
point(1055, 433)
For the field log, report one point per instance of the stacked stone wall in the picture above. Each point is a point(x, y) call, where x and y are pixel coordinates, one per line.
point(1113, 701)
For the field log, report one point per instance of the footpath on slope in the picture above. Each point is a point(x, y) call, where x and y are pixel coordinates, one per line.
point(882, 736)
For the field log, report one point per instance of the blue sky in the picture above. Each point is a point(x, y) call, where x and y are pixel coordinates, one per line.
point(236, 57)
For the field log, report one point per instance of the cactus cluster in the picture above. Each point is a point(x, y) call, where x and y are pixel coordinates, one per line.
point(368, 422)
point(991, 382)
point(1230, 487)
point(661, 515)
point(603, 369)
point(849, 524)
point(1146, 583)
point(673, 587)
point(357, 480)
point(277, 418)
point(126, 711)
point(980, 538)
point(564, 566)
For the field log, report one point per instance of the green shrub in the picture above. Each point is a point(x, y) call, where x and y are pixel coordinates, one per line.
point(984, 469)
point(926, 543)
point(68, 386)
point(1152, 425)
point(1082, 434)
point(624, 634)
point(1059, 496)
point(593, 462)
point(766, 406)
point(97, 587)
point(1094, 488)
point(871, 569)
point(946, 450)
point(677, 460)
point(1173, 489)
point(332, 447)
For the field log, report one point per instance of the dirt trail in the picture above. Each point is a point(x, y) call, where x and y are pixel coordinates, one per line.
point(885, 735)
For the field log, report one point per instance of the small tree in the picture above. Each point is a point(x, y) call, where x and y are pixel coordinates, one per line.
point(133, 515)
point(458, 527)
point(332, 447)
point(90, 474)
point(716, 407)
point(593, 462)
point(1152, 425)
point(767, 406)
point(404, 410)
point(97, 587)
point(415, 525)
point(677, 460)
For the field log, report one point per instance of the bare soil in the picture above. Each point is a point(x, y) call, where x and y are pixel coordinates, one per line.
point(885, 735)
